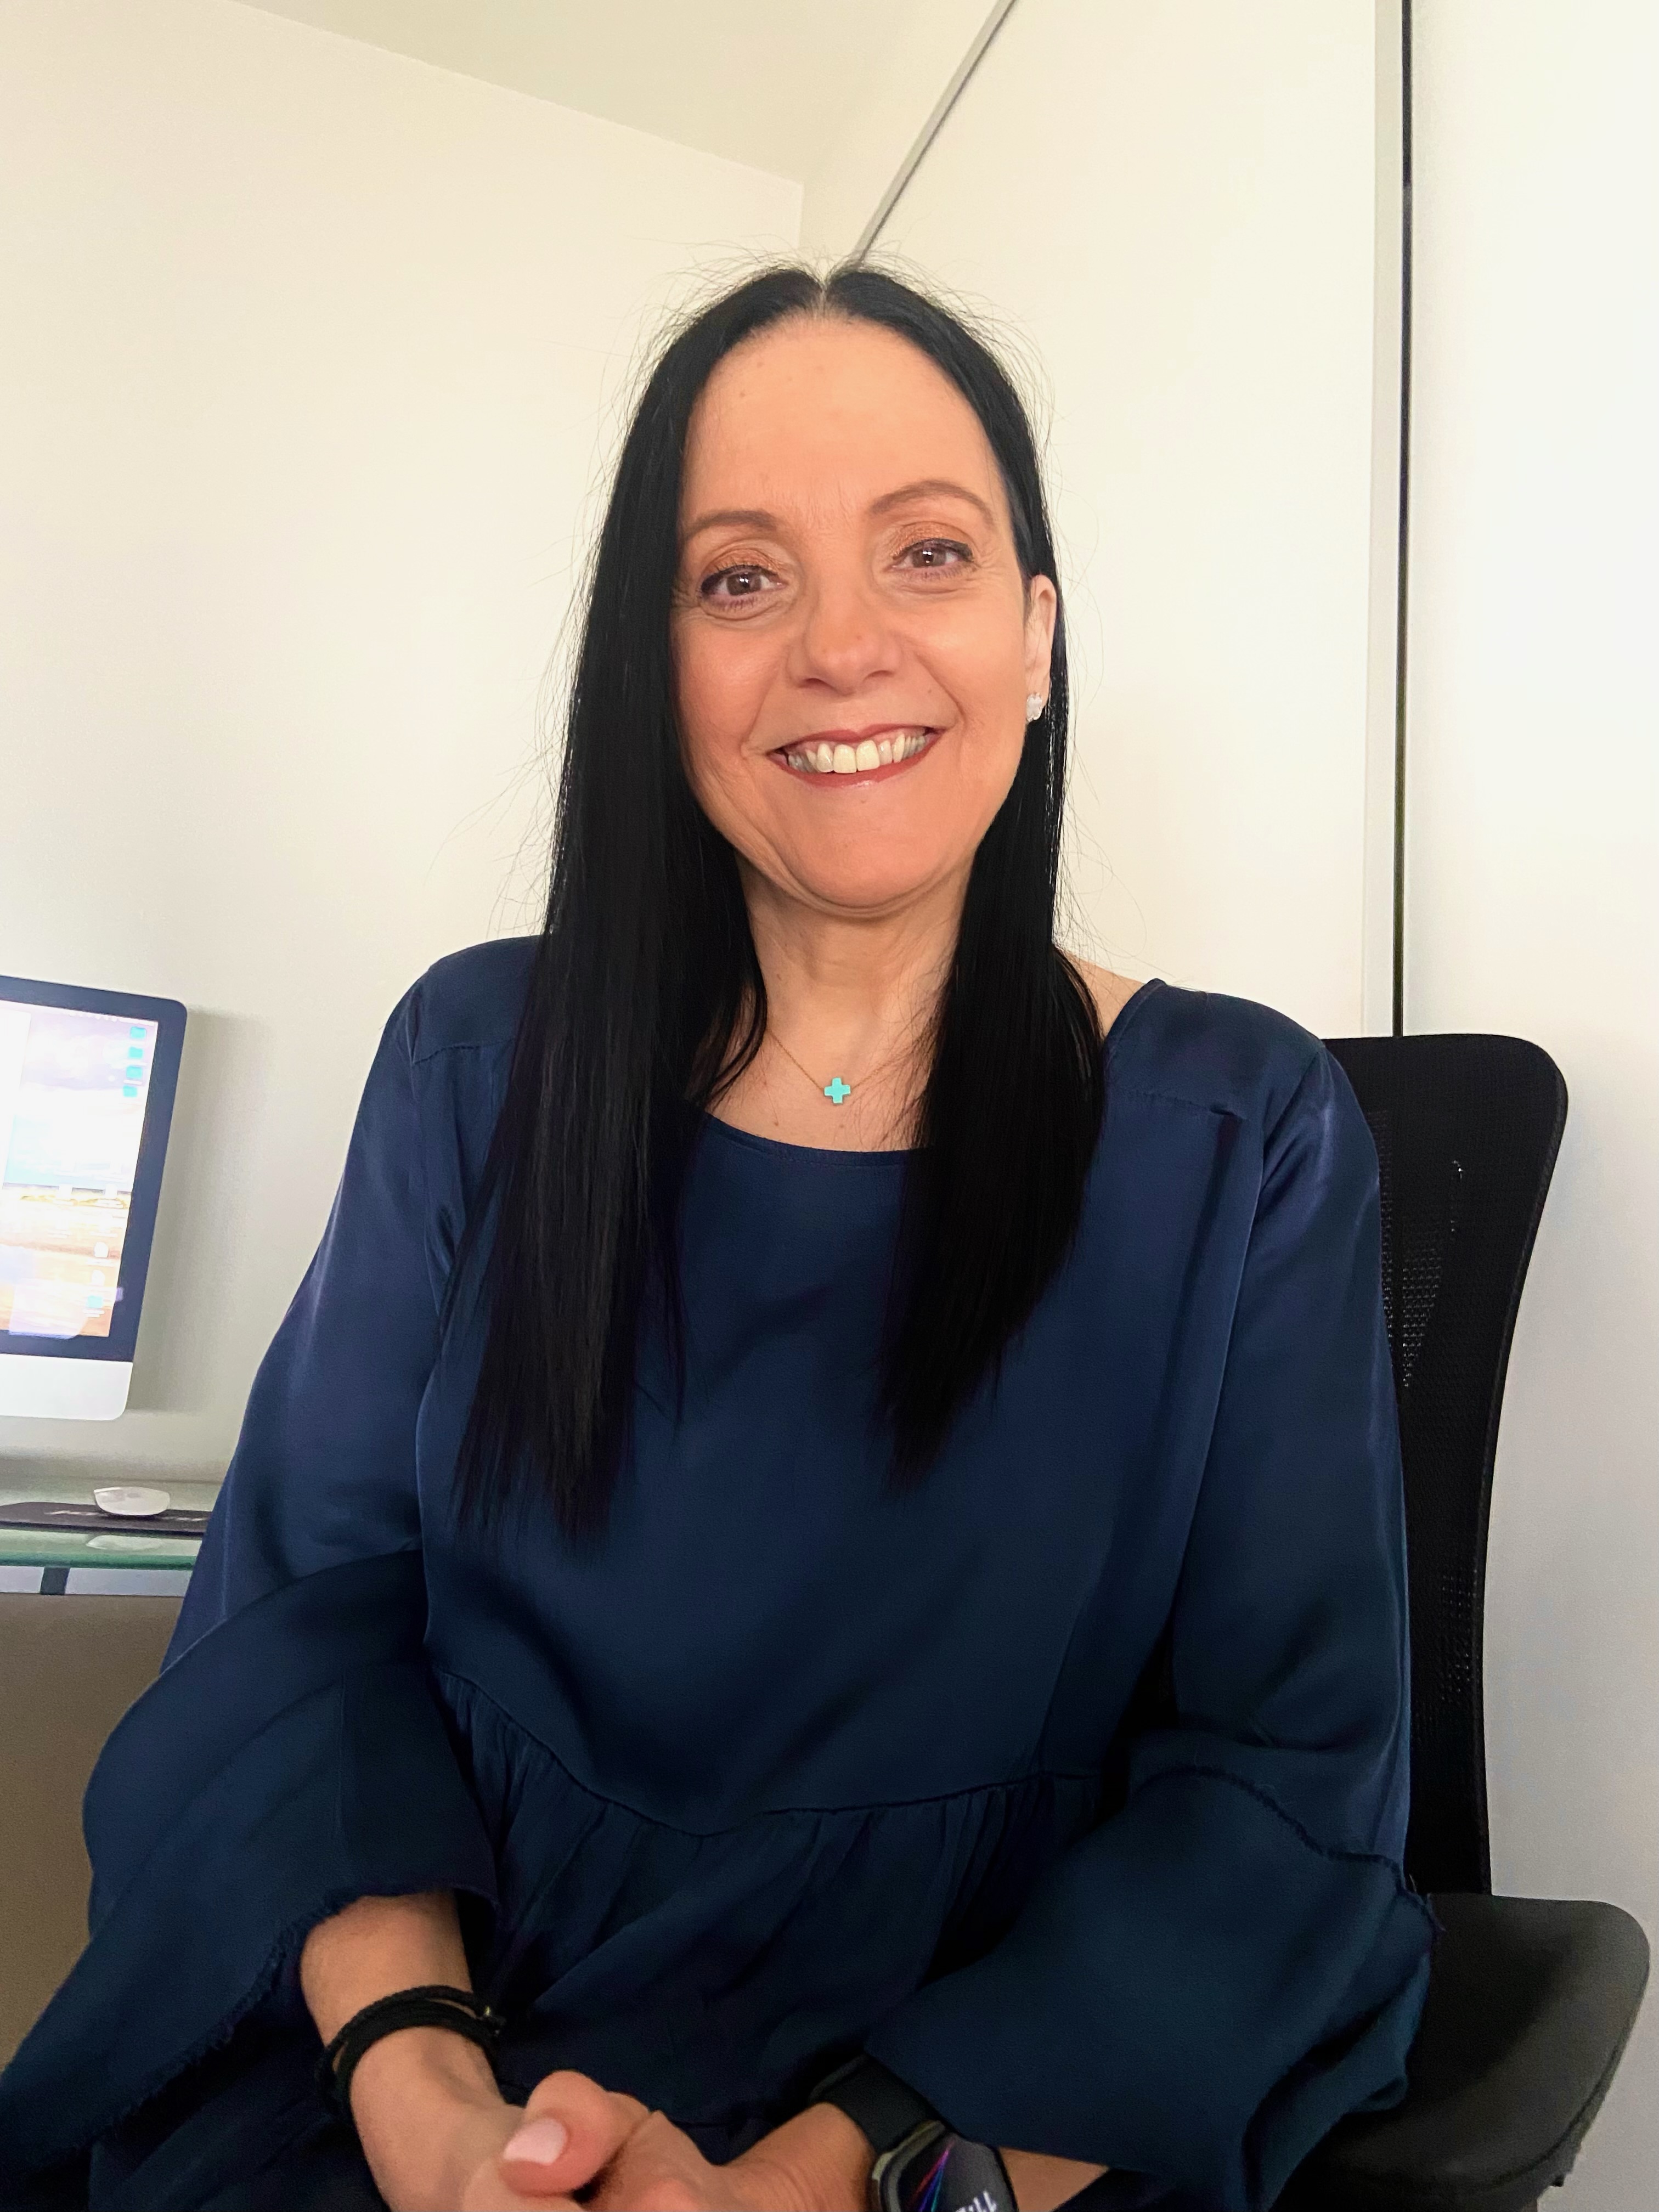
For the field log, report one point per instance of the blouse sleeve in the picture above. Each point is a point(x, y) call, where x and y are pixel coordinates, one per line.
point(323, 1469)
point(1218, 1971)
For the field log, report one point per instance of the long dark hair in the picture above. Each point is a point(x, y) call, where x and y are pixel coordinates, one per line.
point(646, 1000)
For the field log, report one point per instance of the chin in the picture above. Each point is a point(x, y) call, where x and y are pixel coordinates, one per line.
point(870, 889)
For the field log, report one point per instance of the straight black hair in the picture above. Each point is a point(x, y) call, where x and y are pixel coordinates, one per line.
point(646, 1000)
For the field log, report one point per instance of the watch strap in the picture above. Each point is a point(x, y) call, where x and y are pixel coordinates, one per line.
point(875, 2099)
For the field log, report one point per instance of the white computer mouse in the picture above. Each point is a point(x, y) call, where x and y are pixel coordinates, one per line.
point(132, 1501)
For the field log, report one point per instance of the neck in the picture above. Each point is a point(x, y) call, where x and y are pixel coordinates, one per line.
point(843, 991)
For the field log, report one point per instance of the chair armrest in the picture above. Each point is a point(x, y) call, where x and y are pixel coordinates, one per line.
point(1529, 2005)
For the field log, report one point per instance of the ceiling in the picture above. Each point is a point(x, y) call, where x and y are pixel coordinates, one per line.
point(767, 85)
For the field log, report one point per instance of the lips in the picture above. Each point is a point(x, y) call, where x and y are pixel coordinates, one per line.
point(864, 756)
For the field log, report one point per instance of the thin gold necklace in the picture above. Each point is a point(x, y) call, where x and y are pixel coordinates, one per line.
point(836, 1091)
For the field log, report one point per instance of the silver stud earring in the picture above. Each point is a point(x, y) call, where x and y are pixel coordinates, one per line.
point(1035, 703)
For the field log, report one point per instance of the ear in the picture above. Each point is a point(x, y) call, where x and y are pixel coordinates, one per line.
point(1042, 607)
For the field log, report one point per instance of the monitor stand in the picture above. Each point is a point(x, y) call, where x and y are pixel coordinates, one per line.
point(63, 1389)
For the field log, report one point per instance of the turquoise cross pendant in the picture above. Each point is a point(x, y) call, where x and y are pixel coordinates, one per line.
point(834, 1090)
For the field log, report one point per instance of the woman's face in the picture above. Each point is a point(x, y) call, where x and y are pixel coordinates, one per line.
point(854, 643)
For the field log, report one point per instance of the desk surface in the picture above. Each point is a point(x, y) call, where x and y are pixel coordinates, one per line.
point(121, 1550)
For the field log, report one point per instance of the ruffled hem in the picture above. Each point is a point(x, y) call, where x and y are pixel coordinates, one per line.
point(717, 1974)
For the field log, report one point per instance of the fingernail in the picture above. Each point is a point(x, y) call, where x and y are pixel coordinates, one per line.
point(538, 2142)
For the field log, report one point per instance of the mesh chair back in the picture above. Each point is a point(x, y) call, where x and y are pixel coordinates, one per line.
point(1467, 1131)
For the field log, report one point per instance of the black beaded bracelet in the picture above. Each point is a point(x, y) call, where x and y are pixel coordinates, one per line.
point(432, 2005)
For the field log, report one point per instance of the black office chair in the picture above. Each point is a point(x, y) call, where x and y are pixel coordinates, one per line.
point(1530, 2002)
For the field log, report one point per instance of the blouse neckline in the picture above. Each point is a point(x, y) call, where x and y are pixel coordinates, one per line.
point(831, 1156)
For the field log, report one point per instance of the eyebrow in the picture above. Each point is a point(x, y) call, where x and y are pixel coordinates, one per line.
point(757, 517)
point(930, 488)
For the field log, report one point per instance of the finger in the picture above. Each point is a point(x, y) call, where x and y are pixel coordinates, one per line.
point(489, 2193)
point(660, 2169)
point(571, 2128)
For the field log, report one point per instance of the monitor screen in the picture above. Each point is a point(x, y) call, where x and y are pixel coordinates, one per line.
point(87, 1080)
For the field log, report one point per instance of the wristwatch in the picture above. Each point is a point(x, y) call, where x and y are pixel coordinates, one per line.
point(921, 2165)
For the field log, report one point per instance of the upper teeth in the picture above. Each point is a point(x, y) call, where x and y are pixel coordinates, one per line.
point(825, 759)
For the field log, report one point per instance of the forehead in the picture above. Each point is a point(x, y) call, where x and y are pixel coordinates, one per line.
point(823, 412)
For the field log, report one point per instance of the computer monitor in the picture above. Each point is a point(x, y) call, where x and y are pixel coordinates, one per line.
point(87, 1084)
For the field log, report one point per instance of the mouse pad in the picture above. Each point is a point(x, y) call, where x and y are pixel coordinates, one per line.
point(88, 1521)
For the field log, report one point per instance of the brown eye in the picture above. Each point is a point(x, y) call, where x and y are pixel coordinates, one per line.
point(739, 583)
point(930, 553)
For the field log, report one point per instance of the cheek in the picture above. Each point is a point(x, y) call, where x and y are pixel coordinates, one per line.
point(985, 672)
point(704, 715)
point(983, 666)
point(720, 684)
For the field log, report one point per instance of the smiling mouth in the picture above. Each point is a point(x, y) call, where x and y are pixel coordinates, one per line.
point(827, 758)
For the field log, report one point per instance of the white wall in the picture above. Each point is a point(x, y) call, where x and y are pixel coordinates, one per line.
point(305, 365)
point(769, 85)
point(908, 72)
point(1533, 848)
point(1174, 202)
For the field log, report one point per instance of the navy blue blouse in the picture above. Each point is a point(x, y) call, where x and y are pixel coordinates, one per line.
point(1072, 1784)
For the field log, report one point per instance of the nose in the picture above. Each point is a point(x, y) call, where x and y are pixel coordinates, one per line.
point(845, 640)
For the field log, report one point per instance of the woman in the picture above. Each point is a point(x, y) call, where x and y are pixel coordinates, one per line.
point(832, 1486)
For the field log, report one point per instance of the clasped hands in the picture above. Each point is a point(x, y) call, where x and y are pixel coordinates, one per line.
point(577, 2147)
point(439, 2137)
